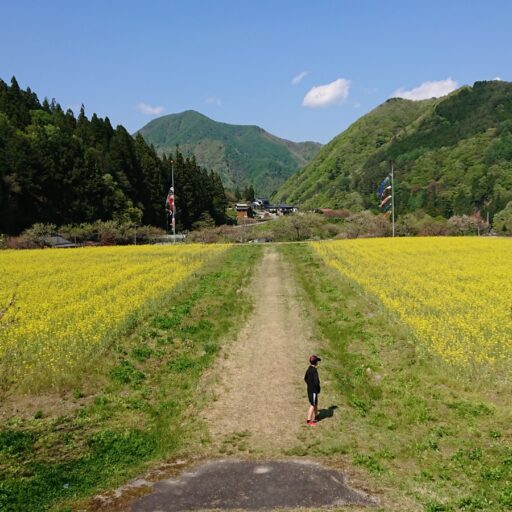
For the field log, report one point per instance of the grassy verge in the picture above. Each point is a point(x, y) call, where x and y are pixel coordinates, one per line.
point(141, 412)
point(422, 436)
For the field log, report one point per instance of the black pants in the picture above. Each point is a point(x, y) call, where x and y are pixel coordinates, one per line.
point(313, 398)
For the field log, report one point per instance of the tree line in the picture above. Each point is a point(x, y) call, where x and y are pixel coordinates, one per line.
point(60, 169)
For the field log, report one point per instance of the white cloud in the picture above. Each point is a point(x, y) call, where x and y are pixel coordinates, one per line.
point(148, 110)
point(334, 93)
point(498, 79)
point(213, 100)
point(428, 90)
point(296, 80)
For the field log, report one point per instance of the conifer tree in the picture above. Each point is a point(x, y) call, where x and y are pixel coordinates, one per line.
point(55, 168)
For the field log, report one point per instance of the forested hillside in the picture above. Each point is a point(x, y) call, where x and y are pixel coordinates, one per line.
point(242, 155)
point(59, 169)
point(452, 156)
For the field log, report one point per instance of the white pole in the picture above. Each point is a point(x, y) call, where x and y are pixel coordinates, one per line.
point(393, 198)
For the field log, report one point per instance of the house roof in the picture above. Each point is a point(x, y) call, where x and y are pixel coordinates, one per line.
point(58, 241)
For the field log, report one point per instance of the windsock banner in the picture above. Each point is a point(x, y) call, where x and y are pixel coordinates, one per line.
point(169, 202)
point(385, 194)
point(386, 183)
point(385, 201)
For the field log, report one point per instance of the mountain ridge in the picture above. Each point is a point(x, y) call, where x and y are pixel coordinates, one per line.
point(242, 154)
point(452, 155)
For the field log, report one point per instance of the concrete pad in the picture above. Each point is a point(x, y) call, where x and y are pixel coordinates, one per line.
point(251, 485)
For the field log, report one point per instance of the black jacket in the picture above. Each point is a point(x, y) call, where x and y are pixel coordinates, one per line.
point(312, 380)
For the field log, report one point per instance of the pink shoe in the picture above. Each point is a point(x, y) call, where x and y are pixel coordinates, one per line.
point(311, 423)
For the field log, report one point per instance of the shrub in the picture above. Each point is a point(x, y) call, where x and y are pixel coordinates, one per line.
point(407, 225)
point(298, 227)
point(502, 224)
point(432, 226)
point(111, 233)
point(422, 224)
point(38, 234)
point(465, 225)
point(365, 225)
point(20, 242)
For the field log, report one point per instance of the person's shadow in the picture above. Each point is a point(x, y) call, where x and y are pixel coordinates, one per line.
point(326, 413)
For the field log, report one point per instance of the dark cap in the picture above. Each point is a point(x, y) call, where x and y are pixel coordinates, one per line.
point(314, 359)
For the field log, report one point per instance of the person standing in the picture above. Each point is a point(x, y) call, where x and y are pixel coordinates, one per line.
point(313, 384)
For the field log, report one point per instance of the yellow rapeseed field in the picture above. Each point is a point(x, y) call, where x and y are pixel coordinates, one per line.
point(69, 304)
point(454, 293)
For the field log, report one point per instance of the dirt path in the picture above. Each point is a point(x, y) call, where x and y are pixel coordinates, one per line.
point(257, 406)
point(260, 399)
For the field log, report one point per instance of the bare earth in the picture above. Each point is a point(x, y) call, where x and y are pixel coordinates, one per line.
point(261, 391)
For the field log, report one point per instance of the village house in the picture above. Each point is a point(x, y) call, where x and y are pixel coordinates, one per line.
point(244, 211)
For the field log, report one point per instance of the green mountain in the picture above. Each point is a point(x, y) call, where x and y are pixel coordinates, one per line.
point(452, 155)
point(242, 155)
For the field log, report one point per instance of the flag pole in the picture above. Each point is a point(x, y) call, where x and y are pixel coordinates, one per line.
point(393, 197)
point(173, 206)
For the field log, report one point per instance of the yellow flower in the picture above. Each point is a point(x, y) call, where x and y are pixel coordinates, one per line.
point(71, 303)
point(454, 293)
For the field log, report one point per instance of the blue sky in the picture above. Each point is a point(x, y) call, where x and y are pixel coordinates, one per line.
point(235, 60)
